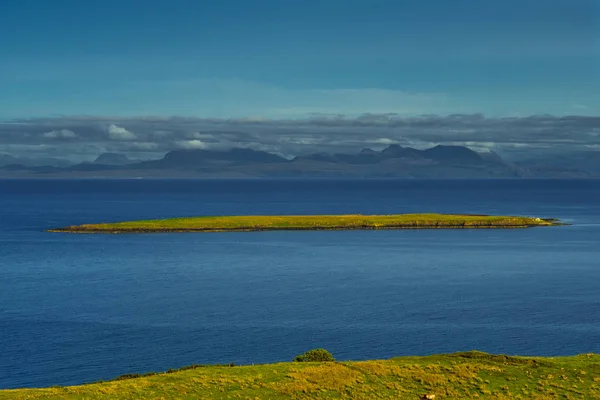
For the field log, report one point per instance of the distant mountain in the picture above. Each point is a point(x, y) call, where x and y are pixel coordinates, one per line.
point(368, 152)
point(394, 161)
point(453, 155)
point(397, 151)
point(318, 157)
point(491, 156)
point(441, 154)
point(208, 158)
point(113, 159)
point(28, 170)
point(366, 156)
point(587, 162)
point(7, 159)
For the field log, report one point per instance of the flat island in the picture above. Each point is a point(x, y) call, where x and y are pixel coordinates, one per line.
point(310, 222)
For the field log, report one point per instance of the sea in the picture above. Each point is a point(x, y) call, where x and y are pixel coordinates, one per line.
point(77, 308)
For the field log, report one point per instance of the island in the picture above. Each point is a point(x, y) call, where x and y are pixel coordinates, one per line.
point(243, 223)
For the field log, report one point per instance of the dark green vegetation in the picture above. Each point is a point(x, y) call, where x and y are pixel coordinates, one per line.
point(310, 222)
point(455, 376)
point(314, 355)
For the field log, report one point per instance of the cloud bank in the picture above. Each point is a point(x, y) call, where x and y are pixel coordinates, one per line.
point(84, 137)
point(60, 134)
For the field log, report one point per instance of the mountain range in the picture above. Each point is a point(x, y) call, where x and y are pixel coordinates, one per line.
point(394, 161)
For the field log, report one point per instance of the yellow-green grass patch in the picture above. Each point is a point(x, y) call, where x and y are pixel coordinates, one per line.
point(469, 375)
point(310, 222)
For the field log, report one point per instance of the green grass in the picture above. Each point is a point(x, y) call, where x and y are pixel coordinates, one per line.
point(310, 222)
point(456, 376)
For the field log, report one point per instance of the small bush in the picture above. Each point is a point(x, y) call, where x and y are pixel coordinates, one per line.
point(315, 355)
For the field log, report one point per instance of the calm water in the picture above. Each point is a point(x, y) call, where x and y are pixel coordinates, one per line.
point(77, 308)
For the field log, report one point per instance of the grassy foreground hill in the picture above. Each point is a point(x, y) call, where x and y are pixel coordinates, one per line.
point(310, 222)
point(455, 376)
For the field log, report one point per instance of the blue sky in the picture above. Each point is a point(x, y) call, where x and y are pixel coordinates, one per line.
point(291, 58)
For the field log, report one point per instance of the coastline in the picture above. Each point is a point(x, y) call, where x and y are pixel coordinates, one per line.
point(310, 223)
point(471, 374)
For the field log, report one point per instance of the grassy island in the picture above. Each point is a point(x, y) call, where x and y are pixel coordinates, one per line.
point(467, 375)
point(310, 222)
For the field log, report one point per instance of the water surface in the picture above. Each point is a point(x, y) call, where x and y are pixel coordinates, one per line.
point(78, 308)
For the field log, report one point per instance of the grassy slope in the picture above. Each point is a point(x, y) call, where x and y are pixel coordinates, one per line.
point(309, 222)
point(457, 376)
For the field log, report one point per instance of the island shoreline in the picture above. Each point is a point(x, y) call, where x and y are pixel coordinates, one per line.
point(311, 223)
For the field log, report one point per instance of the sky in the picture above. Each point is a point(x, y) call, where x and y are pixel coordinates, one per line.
point(119, 63)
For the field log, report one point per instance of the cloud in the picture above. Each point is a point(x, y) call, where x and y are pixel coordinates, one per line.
point(190, 144)
point(333, 133)
point(118, 133)
point(386, 141)
point(60, 134)
point(595, 132)
point(160, 133)
point(142, 146)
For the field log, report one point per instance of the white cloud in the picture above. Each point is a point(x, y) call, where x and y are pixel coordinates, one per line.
point(385, 141)
point(60, 134)
point(517, 145)
point(191, 144)
point(199, 135)
point(482, 147)
point(119, 133)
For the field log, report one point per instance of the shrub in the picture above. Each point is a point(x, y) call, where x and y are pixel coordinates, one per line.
point(315, 355)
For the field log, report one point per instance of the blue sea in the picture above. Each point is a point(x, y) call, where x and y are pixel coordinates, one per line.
point(79, 308)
